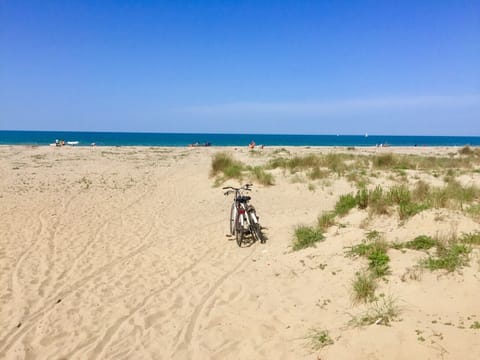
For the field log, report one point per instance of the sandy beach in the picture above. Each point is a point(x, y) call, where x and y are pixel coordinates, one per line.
point(123, 253)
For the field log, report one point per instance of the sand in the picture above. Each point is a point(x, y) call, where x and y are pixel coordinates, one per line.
point(123, 253)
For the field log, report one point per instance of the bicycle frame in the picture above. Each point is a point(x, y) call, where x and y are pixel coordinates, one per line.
point(243, 217)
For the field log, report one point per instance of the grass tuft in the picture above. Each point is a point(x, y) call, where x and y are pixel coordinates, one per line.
point(466, 150)
point(318, 339)
point(451, 254)
point(260, 175)
point(223, 163)
point(326, 220)
point(375, 250)
point(380, 312)
point(364, 287)
point(406, 210)
point(471, 238)
point(421, 242)
point(344, 204)
point(306, 236)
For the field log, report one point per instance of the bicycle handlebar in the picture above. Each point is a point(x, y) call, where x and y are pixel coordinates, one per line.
point(231, 189)
point(244, 187)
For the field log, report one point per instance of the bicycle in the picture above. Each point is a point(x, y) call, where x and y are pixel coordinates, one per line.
point(243, 216)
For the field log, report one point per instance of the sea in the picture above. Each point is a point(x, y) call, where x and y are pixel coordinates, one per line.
point(41, 138)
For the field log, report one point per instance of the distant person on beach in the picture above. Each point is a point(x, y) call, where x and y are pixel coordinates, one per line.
point(251, 145)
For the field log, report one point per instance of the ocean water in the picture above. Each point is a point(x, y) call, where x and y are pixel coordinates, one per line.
point(172, 139)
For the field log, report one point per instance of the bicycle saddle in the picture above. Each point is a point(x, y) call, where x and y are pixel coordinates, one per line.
point(243, 199)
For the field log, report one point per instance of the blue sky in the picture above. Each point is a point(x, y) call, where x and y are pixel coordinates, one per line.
point(308, 67)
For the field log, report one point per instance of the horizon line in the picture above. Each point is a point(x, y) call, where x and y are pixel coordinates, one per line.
point(366, 134)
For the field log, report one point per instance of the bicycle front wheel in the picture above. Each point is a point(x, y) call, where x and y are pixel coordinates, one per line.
point(233, 216)
point(239, 233)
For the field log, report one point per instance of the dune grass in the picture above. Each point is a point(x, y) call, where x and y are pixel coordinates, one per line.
point(374, 248)
point(470, 238)
point(225, 167)
point(224, 164)
point(325, 220)
point(344, 204)
point(449, 258)
point(380, 312)
point(318, 339)
point(364, 286)
point(410, 202)
point(451, 253)
point(261, 176)
point(315, 164)
point(421, 242)
point(306, 236)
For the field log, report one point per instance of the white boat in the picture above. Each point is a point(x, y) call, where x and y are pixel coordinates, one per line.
point(72, 143)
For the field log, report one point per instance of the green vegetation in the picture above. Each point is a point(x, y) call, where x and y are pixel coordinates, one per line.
point(406, 210)
point(318, 339)
point(470, 238)
point(475, 325)
point(223, 163)
point(326, 220)
point(374, 248)
point(467, 150)
point(306, 236)
point(260, 175)
point(380, 312)
point(333, 162)
point(474, 211)
point(378, 262)
point(411, 202)
point(344, 204)
point(225, 167)
point(448, 256)
point(316, 173)
point(421, 242)
point(364, 287)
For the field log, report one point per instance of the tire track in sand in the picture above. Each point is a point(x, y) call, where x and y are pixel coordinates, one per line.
point(189, 331)
point(99, 350)
point(13, 337)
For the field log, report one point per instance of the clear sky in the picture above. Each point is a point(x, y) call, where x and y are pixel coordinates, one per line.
point(307, 67)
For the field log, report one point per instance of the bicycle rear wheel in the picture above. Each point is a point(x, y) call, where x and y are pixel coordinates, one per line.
point(255, 227)
point(257, 233)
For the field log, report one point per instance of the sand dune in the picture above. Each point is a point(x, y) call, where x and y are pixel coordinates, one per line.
point(122, 253)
